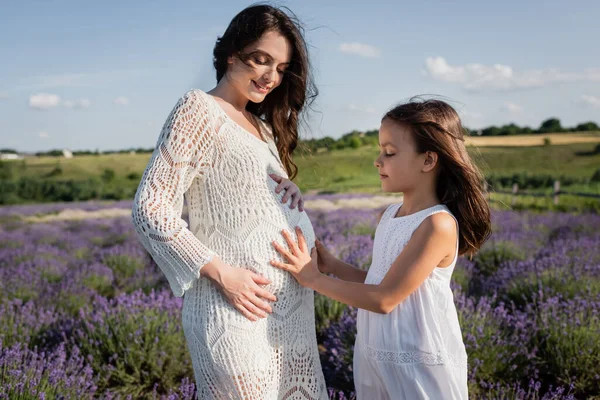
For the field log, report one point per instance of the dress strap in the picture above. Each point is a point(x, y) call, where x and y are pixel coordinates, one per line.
point(390, 211)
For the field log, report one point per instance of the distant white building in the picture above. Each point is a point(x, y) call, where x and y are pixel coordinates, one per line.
point(10, 156)
point(67, 153)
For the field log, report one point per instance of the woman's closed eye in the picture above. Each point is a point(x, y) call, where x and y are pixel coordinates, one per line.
point(260, 59)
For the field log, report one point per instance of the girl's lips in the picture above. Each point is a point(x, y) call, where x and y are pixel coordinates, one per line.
point(381, 176)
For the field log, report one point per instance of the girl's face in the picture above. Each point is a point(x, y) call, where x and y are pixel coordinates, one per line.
point(267, 60)
point(400, 166)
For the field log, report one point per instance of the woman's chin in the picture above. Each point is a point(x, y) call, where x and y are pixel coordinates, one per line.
point(256, 97)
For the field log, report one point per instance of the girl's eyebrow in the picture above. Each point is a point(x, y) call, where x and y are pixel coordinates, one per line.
point(386, 144)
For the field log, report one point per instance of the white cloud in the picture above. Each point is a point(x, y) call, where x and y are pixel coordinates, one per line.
point(478, 77)
point(43, 101)
point(121, 101)
point(81, 103)
point(360, 49)
point(512, 108)
point(43, 134)
point(46, 101)
point(590, 101)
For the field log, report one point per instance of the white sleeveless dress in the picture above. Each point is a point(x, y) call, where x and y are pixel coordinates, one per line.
point(416, 351)
point(222, 171)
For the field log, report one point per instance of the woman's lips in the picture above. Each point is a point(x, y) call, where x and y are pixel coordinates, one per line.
point(262, 89)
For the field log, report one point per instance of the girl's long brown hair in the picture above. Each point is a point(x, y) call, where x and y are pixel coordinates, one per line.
point(436, 127)
point(282, 107)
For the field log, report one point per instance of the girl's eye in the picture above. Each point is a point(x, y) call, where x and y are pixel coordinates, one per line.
point(389, 155)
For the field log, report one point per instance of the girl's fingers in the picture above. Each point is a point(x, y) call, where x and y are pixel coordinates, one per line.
point(301, 240)
point(283, 266)
point(283, 251)
point(292, 245)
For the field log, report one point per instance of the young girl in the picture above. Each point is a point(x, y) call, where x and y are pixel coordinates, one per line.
point(408, 343)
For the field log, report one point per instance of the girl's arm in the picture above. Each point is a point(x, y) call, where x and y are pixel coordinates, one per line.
point(432, 244)
point(329, 264)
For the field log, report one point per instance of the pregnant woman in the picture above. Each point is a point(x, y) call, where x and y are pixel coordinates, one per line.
point(249, 326)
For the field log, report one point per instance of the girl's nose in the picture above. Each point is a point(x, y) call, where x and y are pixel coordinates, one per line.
point(377, 163)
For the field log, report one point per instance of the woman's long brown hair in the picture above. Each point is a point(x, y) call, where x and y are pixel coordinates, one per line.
point(436, 127)
point(282, 108)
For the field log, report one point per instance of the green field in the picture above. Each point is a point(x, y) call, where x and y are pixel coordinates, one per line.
point(116, 176)
point(342, 170)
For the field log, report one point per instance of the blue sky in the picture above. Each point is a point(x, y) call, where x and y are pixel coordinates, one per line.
point(105, 75)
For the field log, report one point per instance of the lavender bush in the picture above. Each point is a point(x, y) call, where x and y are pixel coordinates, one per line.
point(85, 313)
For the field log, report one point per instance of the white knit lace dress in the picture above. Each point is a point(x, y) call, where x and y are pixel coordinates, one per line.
point(234, 212)
point(416, 351)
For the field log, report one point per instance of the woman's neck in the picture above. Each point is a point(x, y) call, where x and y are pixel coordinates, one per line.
point(226, 91)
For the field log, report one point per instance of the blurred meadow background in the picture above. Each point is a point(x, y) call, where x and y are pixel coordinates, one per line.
point(84, 89)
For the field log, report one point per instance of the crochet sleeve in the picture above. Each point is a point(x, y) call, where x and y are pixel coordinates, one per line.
point(182, 153)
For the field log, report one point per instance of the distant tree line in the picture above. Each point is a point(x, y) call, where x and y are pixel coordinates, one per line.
point(551, 125)
point(356, 139)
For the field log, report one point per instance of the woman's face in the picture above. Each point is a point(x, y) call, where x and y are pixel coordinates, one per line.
point(267, 60)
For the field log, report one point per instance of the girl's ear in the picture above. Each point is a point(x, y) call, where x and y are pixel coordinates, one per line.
point(431, 159)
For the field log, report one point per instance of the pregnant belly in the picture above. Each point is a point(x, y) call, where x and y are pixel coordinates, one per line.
point(245, 240)
point(282, 280)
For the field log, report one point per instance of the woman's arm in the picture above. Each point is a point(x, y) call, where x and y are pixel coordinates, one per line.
point(180, 156)
point(158, 202)
point(433, 242)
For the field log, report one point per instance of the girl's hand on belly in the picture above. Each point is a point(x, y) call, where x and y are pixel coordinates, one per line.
point(302, 264)
point(291, 190)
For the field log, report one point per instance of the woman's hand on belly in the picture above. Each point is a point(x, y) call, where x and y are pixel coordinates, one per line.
point(241, 288)
point(291, 191)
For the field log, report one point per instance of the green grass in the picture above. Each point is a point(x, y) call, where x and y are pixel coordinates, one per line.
point(575, 160)
point(347, 170)
point(352, 170)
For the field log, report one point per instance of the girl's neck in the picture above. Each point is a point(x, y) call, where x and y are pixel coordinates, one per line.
point(230, 94)
point(416, 201)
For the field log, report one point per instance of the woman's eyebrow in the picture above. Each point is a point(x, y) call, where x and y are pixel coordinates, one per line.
point(268, 55)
